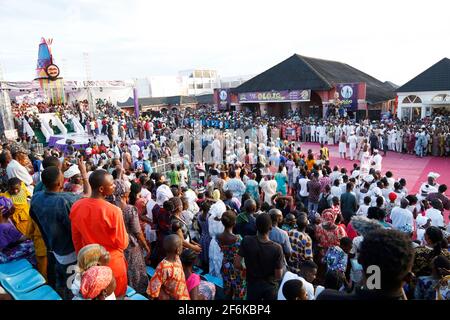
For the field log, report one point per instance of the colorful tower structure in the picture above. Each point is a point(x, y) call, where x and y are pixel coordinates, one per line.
point(47, 73)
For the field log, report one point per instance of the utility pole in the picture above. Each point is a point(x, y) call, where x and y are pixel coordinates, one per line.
point(87, 69)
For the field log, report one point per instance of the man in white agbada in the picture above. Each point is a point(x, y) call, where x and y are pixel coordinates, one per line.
point(376, 160)
point(353, 141)
point(216, 147)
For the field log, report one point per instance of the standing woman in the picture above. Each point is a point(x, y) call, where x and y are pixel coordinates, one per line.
point(343, 145)
point(229, 243)
point(281, 180)
point(435, 144)
point(137, 274)
point(436, 245)
point(205, 238)
point(180, 227)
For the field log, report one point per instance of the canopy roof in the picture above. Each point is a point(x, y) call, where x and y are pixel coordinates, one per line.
point(300, 72)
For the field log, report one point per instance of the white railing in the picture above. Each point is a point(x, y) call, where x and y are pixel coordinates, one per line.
point(60, 125)
point(27, 128)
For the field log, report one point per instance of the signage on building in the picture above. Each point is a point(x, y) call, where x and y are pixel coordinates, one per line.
point(52, 71)
point(222, 98)
point(348, 95)
point(275, 96)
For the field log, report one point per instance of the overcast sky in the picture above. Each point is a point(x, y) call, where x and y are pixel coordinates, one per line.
point(388, 39)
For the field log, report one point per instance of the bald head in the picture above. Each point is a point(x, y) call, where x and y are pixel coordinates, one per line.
point(172, 244)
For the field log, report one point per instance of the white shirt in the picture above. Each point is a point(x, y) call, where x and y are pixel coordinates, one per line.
point(335, 175)
point(303, 187)
point(15, 169)
point(363, 209)
point(135, 150)
point(336, 192)
point(437, 220)
point(377, 159)
point(269, 188)
point(352, 140)
point(401, 217)
point(309, 288)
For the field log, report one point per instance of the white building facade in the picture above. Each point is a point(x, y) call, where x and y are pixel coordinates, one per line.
point(418, 105)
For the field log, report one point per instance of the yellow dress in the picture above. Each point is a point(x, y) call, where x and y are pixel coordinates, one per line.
point(21, 217)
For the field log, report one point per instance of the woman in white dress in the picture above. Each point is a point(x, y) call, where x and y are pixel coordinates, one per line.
point(365, 162)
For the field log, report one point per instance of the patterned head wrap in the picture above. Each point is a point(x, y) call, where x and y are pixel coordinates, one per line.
point(121, 189)
point(95, 280)
point(7, 204)
point(328, 216)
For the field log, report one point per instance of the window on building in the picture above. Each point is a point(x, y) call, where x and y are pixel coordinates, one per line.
point(441, 98)
point(412, 99)
point(207, 86)
point(191, 86)
point(199, 86)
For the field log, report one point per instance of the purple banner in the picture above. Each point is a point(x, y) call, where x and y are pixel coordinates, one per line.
point(136, 103)
point(348, 95)
point(275, 96)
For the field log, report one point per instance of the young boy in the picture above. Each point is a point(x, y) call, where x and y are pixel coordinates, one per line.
point(362, 211)
point(168, 282)
point(294, 290)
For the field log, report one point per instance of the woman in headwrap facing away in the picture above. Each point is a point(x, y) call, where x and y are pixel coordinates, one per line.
point(98, 283)
point(137, 274)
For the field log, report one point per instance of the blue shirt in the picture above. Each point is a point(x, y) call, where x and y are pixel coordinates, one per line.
point(281, 237)
point(50, 211)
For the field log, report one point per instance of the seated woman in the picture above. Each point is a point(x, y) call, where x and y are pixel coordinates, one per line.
point(13, 244)
point(198, 289)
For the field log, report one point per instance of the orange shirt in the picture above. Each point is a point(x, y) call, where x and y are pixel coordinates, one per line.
point(310, 164)
point(98, 221)
point(168, 282)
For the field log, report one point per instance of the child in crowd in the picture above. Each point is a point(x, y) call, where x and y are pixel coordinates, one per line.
point(169, 281)
point(364, 207)
point(294, 290)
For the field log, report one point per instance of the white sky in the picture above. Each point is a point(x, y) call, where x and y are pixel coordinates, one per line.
point(388, 39)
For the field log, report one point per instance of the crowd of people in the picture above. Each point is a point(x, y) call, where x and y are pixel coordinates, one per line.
point(286, 224)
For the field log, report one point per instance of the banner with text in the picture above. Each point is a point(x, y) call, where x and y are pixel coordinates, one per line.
point(275, 96)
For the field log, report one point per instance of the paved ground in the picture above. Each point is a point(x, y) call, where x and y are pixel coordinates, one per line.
point(410, 167)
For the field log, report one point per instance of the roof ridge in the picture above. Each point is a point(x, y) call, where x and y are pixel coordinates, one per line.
point(321, 76)
point(443, 60)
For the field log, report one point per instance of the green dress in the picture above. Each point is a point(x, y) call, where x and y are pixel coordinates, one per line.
point(281, 180)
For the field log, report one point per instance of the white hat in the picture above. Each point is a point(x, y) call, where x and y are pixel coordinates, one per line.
point(375, 150)
point(369, 178)
point(72, 171)
point(163, 193)
point(355, 174)
point(433, 175)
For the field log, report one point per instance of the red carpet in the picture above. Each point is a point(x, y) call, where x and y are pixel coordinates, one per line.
point(410, 167)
